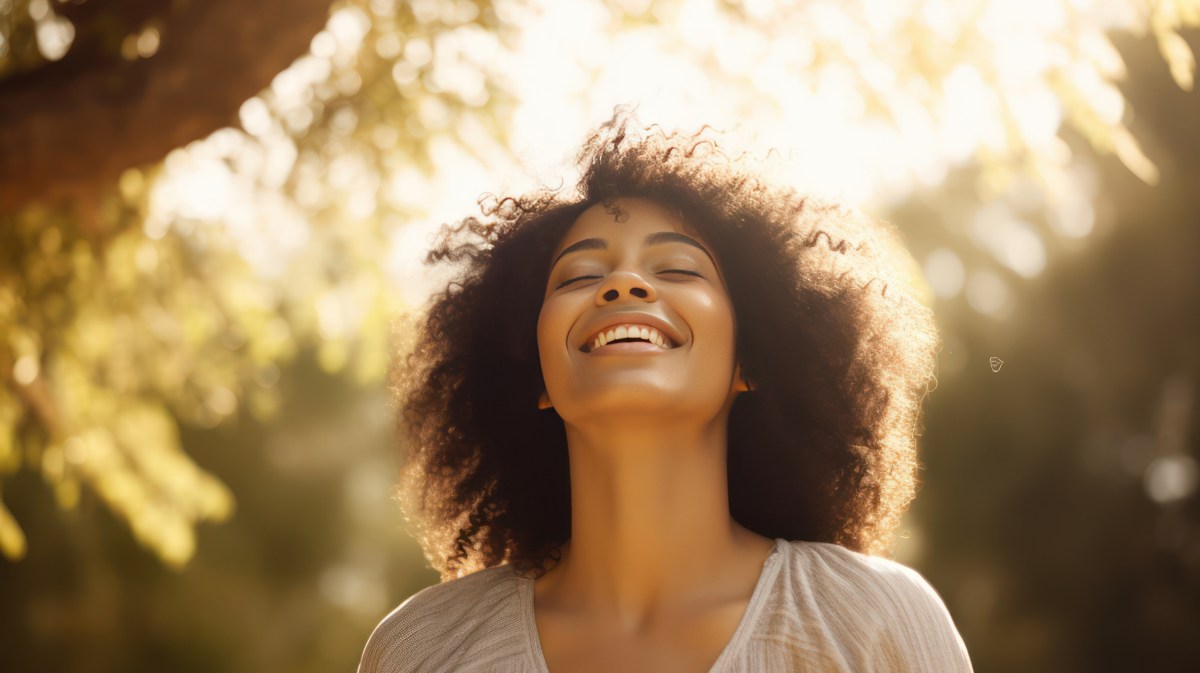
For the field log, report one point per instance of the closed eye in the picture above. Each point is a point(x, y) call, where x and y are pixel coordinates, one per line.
point(572, 280)
point(569, 281)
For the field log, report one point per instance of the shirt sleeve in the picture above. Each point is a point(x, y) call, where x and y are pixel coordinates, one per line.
point(921, 636)
point(394, 643)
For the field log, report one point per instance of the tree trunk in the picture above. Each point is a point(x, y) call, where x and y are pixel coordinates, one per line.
point(70, 125)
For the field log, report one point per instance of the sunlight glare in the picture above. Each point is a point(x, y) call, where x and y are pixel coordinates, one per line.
point(1012, 241)
point(54, 36)
point(945, 272)
point(1170, 478)
point(987, 293)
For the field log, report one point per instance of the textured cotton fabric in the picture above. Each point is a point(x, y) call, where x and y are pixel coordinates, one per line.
point(816, 607)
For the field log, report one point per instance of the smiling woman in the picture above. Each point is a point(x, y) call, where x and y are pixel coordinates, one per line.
point(666, 423)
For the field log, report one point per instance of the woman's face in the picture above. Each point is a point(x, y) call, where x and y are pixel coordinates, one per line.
point(639, 274)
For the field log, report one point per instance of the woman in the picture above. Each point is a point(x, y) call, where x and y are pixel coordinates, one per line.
point(660, 425)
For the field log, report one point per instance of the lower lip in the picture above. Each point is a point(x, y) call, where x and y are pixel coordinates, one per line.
point(629, 347)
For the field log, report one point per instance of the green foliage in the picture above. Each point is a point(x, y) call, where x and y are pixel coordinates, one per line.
point(177, 295)
point(170, 309)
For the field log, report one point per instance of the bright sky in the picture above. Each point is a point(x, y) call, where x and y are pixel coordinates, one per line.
point(867, 100)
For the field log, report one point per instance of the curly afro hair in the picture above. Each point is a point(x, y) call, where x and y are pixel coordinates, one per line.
point(839, 350)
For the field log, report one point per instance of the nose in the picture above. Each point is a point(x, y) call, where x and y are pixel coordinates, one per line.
point(624, 284)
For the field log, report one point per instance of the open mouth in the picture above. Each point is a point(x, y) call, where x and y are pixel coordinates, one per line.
point(629, 334)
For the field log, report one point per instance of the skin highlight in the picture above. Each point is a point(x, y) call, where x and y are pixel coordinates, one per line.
point(838, 352)
point(647, 439)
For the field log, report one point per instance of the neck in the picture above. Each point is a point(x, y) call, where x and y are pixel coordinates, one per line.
point(650, 522)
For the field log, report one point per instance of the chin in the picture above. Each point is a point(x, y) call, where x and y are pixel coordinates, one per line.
point(635, 401)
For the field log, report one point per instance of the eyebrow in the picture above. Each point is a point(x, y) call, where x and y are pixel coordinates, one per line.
point(657, 238)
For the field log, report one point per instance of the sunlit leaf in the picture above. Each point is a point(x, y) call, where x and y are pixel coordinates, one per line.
point(177, 294)
point(12, 538)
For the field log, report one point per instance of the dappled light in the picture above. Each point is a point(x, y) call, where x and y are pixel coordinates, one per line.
point(207, 264)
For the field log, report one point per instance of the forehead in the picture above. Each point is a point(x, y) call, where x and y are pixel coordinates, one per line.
point(626, 217)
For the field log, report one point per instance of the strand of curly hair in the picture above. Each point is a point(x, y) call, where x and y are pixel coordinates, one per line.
point(839, 349)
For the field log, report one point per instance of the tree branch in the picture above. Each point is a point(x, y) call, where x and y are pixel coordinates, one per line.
point(71, 125)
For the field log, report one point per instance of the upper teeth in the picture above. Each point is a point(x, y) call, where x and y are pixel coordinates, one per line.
point(643, 332)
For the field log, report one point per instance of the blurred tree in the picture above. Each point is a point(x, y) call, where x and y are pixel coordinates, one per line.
point(175, 292)
point(1062, 496)
point(138, 303)
point(292, 584)
point(138, 79)
point(165, 306)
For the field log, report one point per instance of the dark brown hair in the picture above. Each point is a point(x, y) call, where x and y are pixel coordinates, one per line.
point(838, 349)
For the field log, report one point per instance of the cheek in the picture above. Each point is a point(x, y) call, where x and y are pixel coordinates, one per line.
point(552, 328)
point(714, 318)
point(543, 326)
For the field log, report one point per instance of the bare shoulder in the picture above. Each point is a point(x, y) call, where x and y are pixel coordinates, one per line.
point(432, 621)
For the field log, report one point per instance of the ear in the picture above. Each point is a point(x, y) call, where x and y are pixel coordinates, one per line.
point(740, 384)
point(544, 401)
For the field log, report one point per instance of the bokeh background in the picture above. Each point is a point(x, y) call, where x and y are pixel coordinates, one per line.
point(212, 219)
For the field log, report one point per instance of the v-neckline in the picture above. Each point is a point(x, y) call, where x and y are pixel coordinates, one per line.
point(765, 579)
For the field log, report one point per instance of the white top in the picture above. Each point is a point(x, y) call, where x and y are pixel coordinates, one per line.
point(816, 607)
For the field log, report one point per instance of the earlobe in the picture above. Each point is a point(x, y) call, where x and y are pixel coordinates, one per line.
point(741, 385)
point(544, 401)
